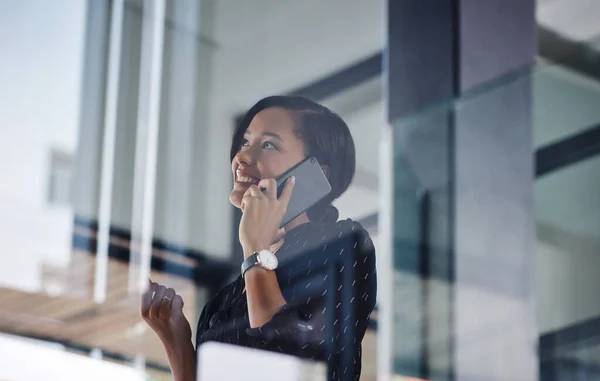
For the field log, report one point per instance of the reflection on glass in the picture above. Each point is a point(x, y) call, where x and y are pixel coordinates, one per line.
point(568, 242)
point(567, 217)
point(97, 180)
point(567, 206)
point(565, 103)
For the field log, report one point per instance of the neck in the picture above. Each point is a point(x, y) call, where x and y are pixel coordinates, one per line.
point(301, 219)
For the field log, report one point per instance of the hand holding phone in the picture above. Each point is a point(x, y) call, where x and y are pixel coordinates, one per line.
point(311, 187)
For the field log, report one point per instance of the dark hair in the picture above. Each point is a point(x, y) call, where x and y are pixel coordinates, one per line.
point(326, 137)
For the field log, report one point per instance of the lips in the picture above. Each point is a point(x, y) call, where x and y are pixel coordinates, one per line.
point(243, 177)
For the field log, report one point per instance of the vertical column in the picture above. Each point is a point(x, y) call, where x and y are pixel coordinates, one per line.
point(108, 149)
point(494, 318)
point(420, 78)
point(462, 226)
point(86, 184)
point(87, 165)
point(146, 146)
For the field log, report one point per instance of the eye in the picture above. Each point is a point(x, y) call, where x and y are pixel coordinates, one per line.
point(244, 143)
point(269, 145)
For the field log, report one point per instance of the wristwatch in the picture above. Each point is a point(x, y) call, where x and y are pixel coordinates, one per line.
point(263, 258)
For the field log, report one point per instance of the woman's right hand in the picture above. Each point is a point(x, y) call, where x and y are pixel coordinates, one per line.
point(162, 309)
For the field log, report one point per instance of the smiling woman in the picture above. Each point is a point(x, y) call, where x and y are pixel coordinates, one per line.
point(262, 308)
point(268, 147)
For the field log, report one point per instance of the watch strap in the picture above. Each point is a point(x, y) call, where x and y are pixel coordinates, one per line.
point(250, 262)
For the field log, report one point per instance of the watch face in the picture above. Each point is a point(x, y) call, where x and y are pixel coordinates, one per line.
point(268, 260)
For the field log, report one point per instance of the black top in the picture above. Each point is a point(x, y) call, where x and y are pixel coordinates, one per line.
point(300, 328)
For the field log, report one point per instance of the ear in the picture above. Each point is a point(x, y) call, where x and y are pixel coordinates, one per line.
point(325, 169)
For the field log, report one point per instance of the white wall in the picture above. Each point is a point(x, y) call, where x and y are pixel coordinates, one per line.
point(41, 44)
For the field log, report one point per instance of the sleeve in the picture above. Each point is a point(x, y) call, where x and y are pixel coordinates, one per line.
point(302, 331)
point(204, 320)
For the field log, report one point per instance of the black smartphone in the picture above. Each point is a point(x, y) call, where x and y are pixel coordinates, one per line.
point(311, 187)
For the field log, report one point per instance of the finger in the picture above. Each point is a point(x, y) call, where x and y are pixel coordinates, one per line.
point(270, 186)
point(165, 303)
point(177, 305)
point(286, 194)
point(156, 301)
point(246, 200)
point(147, 298)
point(247, 197)
point(254, 191)
point(251, 195)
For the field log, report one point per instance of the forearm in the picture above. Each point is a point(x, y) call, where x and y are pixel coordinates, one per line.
point(182, 360)
point(263, 295)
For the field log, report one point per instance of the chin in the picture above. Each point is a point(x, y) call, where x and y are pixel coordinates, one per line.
point(235, 198)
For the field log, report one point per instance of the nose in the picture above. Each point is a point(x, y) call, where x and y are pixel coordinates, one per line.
point(246, 157)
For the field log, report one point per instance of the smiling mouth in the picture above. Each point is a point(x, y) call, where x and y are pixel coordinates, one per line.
point(242, 178)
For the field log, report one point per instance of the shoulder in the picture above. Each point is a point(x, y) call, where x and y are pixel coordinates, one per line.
point(345, 232)
point(350, 229)
point(325, 238)
point(347, 226)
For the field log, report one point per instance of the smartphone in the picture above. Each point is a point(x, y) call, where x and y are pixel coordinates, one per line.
point(311, 187)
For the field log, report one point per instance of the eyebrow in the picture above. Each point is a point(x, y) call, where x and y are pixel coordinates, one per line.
point(271, 134)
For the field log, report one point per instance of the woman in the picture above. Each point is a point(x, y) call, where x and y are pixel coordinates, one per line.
point(261, 308)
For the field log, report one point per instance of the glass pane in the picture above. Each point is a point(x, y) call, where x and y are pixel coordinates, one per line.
point(568, 225)
point(119, 169)
point(567, 221)
point(51, 201)
point(565, 103)
point(567, 206)
point(361, 106)
point(421, 246)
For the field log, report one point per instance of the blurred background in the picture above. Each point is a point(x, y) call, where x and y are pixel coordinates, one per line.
point(478, 174)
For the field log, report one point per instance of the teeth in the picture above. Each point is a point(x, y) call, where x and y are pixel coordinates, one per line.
point(244, 179)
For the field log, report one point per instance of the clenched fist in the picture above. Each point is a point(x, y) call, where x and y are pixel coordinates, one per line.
point(162, 309)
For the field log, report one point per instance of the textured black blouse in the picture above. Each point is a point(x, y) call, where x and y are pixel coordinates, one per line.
point(300, 327)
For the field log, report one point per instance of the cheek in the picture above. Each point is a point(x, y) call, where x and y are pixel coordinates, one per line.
point(269, 170)
point(275, 165)
point(285, 162)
